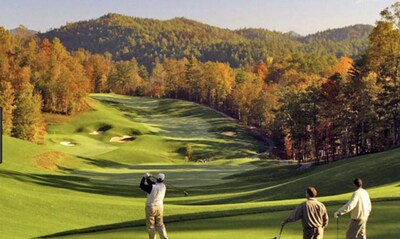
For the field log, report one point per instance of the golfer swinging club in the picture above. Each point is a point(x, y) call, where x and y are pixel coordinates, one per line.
point(154, 205)
point(313, 216)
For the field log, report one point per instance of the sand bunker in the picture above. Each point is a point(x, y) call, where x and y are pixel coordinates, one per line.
point(67, 143)
point(229, 133)
point(96, 132)
point(122, 139)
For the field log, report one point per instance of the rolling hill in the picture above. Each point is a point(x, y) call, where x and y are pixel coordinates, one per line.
point(146, 40)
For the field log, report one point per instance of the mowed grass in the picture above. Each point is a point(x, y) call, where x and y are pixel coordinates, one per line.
point(262, 225)
point(35, 200)
point(52, 188)
point(93, 186)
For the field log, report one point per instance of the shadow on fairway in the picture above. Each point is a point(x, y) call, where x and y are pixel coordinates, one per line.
point(104, 163)
point(221, 215)
point(125, 184)
point(77, 183)
point(208, 149)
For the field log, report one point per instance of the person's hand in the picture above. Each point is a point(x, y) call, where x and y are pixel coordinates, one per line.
point(146, 175)
point(336, 214)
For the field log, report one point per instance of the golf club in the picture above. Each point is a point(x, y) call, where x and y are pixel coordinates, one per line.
point(337, 227)
point(172, 186)
point(280, 233)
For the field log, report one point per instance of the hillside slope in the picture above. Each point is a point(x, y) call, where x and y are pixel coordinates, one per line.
point(148, 39)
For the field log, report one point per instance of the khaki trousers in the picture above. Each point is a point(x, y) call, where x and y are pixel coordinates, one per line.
point(154, 220)
point(357, 229)
point(313, 233)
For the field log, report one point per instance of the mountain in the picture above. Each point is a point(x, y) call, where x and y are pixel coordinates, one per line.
point(359, 31)
point(149, 40)
point(293, 34)
point(351, 40)
point(23, 30)
point(145, 39)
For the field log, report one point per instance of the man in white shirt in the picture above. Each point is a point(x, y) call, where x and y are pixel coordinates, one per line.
point(360, 207)
point(154, 205)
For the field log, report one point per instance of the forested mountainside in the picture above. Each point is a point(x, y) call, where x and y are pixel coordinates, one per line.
point(294, 90)
point(149, 40)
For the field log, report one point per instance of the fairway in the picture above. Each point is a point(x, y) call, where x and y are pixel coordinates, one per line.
point(88, 188)
point(262, 225)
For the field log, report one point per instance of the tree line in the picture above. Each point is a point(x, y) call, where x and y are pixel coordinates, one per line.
point(34, 78)
point(349, 108)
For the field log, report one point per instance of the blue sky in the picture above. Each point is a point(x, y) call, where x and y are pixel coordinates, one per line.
point(302, 16)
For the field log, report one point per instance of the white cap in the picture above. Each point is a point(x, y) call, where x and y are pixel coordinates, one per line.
point(160, 177)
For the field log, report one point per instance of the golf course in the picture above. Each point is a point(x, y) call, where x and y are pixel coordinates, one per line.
point(83, 182)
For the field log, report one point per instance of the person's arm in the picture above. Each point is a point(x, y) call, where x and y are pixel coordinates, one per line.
point(146, 184)
point(369, 204)
point(350, 205)
point(325, 218)
point(149, 182)
point(295, 215)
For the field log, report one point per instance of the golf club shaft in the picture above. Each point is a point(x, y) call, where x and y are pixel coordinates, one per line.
point(280, 233)
point(170, 185)
point(337, 228)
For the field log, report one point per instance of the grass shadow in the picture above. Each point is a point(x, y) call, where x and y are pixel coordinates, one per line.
point(106, 186)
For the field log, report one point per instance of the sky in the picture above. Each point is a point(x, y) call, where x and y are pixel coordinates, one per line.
point(302, 16)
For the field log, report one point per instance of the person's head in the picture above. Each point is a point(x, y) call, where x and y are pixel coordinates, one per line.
point(160, 177)
point(358, 183)
point(311, 192)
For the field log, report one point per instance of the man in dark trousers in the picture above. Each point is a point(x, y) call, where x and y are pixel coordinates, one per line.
point(313, 215)
point(154, 205)
point(360, 207)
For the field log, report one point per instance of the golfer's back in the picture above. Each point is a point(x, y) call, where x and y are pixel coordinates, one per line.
point(156, 197)
point(315, 215)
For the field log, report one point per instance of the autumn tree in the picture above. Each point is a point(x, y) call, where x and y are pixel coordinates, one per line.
point(176, 85)
point(219, 80)
point(247, 88)
point(195, 80)
point(157, 81)
point(342, 67)
point(383, 58)
point(98, 69)
point(7, 104)
point(6, 89)
point(6, 51)
point(28, 123)
point(261, 70)
point(125, 79)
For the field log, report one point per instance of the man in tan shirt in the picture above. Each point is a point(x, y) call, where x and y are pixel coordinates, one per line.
point(360, 207)
point(313, 215)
